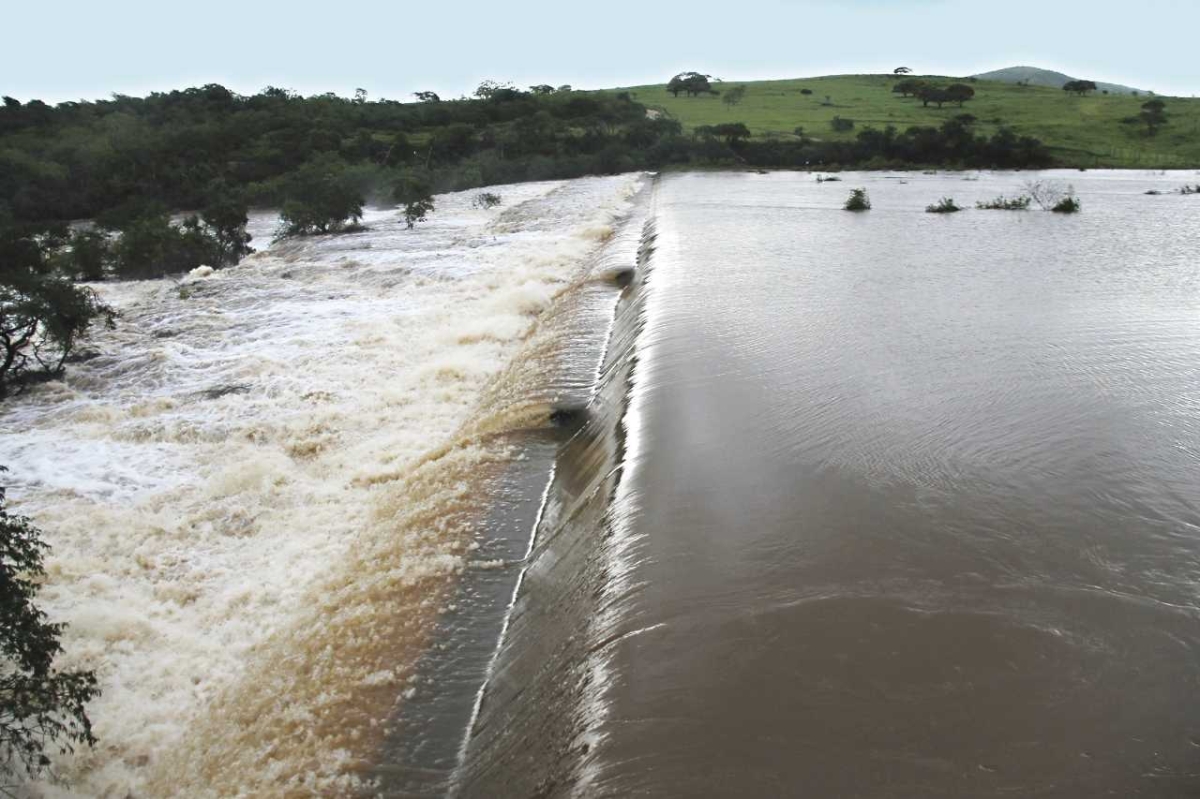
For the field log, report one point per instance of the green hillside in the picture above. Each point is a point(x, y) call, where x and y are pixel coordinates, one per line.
point(1081, 131)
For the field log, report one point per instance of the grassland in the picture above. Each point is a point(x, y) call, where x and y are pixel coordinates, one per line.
point(1081, 131)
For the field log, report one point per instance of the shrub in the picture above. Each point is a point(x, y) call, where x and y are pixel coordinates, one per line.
point(828, 179)
point(943, 206)
point(415, 195)
point(858, 201)
point(841, 124)
point(1067, 205)
point(806, 92)
point(40, 706)
point(1190, 189)
point(319, 198)
point(486, 200)
point(1004, 204)
point(152, 247)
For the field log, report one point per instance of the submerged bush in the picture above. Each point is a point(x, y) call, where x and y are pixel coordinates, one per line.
point(320, 198)
point(415, 195)
point(1190, 189)
point(1004, 204)
point(1067, 205)
point(858, 201)
point(943, 206)
point(486, 200)
point(827, 179)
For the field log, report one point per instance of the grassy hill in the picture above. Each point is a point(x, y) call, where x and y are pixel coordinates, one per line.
point(1081, 131)
point(1035, 76)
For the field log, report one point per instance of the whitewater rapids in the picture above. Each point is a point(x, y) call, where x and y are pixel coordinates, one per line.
point(260, 486)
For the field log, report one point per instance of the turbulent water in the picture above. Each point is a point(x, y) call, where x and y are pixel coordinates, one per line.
point(889, 504)
point(262, 487)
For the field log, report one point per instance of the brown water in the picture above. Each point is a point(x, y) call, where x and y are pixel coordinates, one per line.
point(895, 504)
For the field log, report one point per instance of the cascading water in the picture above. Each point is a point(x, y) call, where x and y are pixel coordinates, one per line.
point(261, 488)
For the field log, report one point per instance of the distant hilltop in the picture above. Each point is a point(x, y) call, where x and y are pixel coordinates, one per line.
point(1033, 76)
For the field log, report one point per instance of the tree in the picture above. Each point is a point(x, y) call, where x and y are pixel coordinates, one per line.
point(933, 94)
point(415, 195)
point(841, 124)
point(87, 255)
point(360, 96)
point(43, 314)
point(489, 89)
point(959, 93)
point(225, 217)
point(806, 92)
point(427, 97)
point(320, 198)
point(40, 706)
point(542, 88)
point(901, 71)
point(734, 95)
point(731, 132)
point(1154, 114)
point(690, 83)
point(908, 87)
point(1079, 87)
point(151, 247)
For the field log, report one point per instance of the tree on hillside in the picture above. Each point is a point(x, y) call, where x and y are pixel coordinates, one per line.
point(427, 97)
point(734, 96)
point(933, 94)
point(959, 93)
point(901, 71)
point(542, 88)
point(691, 84)
point(41, 707)
point(908, 87)
point(1079, 87)
point(1154, 115)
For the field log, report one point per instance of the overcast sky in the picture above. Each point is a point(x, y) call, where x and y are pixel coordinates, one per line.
point(70, 50)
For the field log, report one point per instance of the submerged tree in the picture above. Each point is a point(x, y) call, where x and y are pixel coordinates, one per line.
point(321, 198)
point(858, 201)
point(43, 313)
point(416, 197)
point(42, 709)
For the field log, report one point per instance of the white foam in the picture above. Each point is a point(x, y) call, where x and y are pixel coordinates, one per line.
point(222, 452)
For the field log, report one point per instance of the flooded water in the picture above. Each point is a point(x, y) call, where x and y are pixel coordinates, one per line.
point(703, 489)
point(905, 506)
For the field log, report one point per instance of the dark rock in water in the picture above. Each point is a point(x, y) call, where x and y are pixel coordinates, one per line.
point(623, 277)
point(216, 392)
point(165, 332)
point(568, 416)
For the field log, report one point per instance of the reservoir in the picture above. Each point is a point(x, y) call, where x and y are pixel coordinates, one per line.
point(907, 504)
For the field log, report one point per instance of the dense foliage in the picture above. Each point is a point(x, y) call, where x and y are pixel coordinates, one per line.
point(43, 313)
point(183, 148)
point(41, 708)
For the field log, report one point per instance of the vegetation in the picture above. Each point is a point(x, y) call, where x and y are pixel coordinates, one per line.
point(944, 206)
point(1154, 115)
point(42, 709)
point(1079, 87)
point(415, 195)
point(858, 201)
point(1075, 130)
point(43, 313)
point(320, 197)
point(1067, 205)
point(486, 200)
point(734, 96)
point(692, 84)
point(1021, 203)
point(1185, 190)
point(841, 125)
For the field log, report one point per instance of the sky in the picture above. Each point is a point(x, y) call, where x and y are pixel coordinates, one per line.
point(57, 51)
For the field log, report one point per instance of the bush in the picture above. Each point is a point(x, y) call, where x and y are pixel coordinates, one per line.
point(152, 247)
point(40, 706)
point(806, 92)
point(415, 195)
point(841, 125)
point(858, 201)
point(87, 255)
point(943, 206)
point(828, 179)
point(486, 200)
point(320, 198)
point(1067, 205)
point(1190, 189)
point(1004, 204)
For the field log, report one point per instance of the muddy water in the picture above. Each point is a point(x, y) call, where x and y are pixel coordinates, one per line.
point(889, 504)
